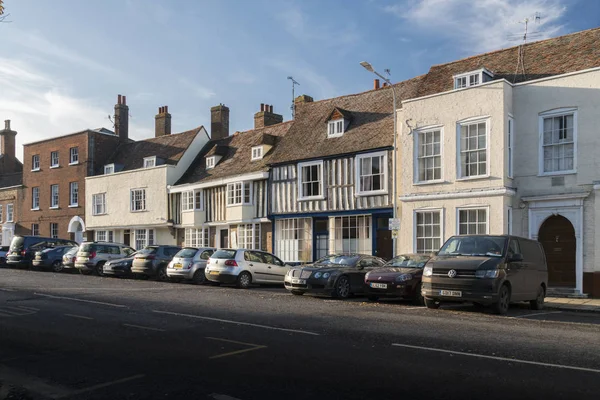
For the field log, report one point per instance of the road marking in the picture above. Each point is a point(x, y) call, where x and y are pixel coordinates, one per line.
point(218, 396)
point(8, 290)
point(226, 321)
point(533, 315)
point(145, 327)
point(102, 385)
point(541, 364)
point(252, 347)
point(80, 300)
point(12, 311)
point(78, 316)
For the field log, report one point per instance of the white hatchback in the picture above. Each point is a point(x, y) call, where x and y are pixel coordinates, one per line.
point(244, 267)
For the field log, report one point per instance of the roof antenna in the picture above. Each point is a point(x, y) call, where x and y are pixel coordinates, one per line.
point(293, 107)
point(521, 50)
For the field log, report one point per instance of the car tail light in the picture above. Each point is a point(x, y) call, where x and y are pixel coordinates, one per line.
point(231, 263)
point(74, 258)
point(23, 252)
point(93, 254)
point(151, 257)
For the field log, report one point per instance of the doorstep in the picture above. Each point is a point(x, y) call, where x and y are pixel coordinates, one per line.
point(562, 303)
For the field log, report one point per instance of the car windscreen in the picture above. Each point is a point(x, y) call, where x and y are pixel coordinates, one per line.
point(337, 260)
point(17, 243)
point(148, 250)
point(489, 246)
point(188, 252)
point(224, 254)
point(87, 248)
point(408, 261)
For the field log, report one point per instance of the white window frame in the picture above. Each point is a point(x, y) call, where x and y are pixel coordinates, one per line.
point(149, 238)
point(384, 169)
point(257, 153)
point(472, 121)
point(232, 201)
point(199, 200)
point(35, 162)
point(53, 225)
point(197, 237)
point(35, 198)
point(105, 236)
point(211, 162)
point(301, 195)
point(417, 144)
point(73, 193)
point(74, 156)
point(54, 161)
point(249, 236)
point(336, 128)
point(10, 212)
point(510, 145)
point(150, 162)
point(467, 77)
point(557, 113)
point(35, 229)
point(187, 201)
point(99, 199)
point(109, 169)
point(474, 207)
point(364, 227)
point(54, 197)
point(442, 213)
point(132, 200)
point(293, 239)
point(1, 214)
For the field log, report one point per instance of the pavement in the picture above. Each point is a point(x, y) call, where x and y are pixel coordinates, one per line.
point(67, 336)
point(573, 304)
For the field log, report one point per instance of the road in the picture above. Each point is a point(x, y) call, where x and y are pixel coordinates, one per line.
point(68, 336)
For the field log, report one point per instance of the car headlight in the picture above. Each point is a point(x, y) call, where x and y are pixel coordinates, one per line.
point(404, 277)
point(318, 275)
point(487, 273)
point(326, 275)
point(427, 271)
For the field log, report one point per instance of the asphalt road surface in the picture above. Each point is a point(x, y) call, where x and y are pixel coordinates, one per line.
point(68, 336)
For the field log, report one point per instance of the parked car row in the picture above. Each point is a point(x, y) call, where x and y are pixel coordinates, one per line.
point(482, 269)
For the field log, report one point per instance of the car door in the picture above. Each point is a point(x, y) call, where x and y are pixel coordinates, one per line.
point(357, 279)
point(514, 269)
point(276, 268)
point(529, 269)
point(255, 263)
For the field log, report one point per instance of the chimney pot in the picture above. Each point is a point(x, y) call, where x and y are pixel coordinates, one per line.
point(124, 101)
point(119, 99)
point(122, 119)
point(7, 124)
point(262, 106)
point(166, 109)
point(271, 108)
point(376, 84)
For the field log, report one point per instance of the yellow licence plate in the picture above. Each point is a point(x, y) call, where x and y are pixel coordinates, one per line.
point(214, 272)
point(177, 266)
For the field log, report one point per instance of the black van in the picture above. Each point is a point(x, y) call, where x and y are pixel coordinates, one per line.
point(22, 248)
point(487, 270)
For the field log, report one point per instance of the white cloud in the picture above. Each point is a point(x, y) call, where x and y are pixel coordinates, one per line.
point(483, 25)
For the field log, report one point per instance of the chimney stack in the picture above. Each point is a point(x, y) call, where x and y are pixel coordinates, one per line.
point(266, 117)
point(7, 142)
point(122, 118)
point(376, 84)
point(162, 122)
point(219, 122)
point(303, 99)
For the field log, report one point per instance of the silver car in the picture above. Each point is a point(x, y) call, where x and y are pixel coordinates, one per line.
point(189, 264)
point(243, 267)
point(68, 260)
point(92, 256)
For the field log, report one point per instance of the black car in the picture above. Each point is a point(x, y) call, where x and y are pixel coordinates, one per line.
point(399, 277)
point(23, 248)
point(152, 261)
point(51, 258)
point(119, 267)
point(338, 275)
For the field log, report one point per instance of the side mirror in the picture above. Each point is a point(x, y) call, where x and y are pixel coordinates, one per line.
point(516, 258)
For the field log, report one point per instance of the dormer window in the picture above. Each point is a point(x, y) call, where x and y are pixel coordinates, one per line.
point(472, 78)
point(109, 169)
point(335, 128)
point(150, 162)
point(210, 162)
point(257, 153)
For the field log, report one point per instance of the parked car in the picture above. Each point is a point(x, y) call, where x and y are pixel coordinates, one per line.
point(244, 267)
point(120, 266)
point(338, 275)
point(399, 277)
point(68, 260)
point(23, 248)
point(3, 253)
point(153, 260)
point(51, 258)
point(92, 256)
point(189, 264)
point(487, 270)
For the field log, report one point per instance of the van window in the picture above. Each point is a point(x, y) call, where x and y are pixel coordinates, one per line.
point(531, 252)
point(513, 248)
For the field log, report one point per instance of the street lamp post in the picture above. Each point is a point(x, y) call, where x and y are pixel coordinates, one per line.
point(370, 68)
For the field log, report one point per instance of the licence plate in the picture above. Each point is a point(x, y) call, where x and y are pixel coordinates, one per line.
point(379, 285)
point(451, 293)
point(83, 259)
point(177, 266)
point(299, 281)
point(214, 272)
point(15, 253)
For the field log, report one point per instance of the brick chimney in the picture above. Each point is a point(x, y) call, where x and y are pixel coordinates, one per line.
point(266, 117)
point(122, 118)
point(219, 122)
point(7, 141)
point(303, 99)
point(162, 122)
point(376, 84)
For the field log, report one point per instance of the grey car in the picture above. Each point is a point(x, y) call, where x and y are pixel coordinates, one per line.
point(153, 260)
point(68, 260)
point(189, 264)
point(92, 256)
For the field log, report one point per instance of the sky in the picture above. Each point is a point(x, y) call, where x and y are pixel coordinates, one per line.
point(63, 62)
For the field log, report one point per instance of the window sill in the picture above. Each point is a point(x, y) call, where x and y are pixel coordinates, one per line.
point(35, 209)
point(373, 193)
point(425, 183)
point(53, 208)
point(311, 198)
point(97, 215)
point(74, 163)
point(239, 205)
point(54, 166)
point(73, 205)
point(36, 170)
point(472, 178)
point(557, 173)
point(256, 159)
point(138, 211)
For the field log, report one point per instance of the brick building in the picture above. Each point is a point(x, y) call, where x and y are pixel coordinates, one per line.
point(54, 177)
point(11, 183)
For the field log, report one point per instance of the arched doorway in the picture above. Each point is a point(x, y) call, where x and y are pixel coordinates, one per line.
point(76, 227)
point(557, 236)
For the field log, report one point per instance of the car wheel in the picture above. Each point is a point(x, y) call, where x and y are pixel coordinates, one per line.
point(501, 306)
point(161, 273)
point(297, 292)
point(538, 303)
point(57, 266)
point(418, 300)
point(244, 280)
point(199, 278)
point(84, 271)
point(100, 269)
point(342, 288)
point(433, 304)
point(373, 298)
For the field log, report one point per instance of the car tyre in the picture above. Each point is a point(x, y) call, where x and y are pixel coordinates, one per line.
point(244, 280)
point(501, 306)
point(419, 300)
point(161, 273)
point(84, 271)
point(199, 278)
point(342, 288)
point(56, 266)
point(100, 269)
point(538, 303)
point(297, 292)
point(372, 298)
point(433, 304)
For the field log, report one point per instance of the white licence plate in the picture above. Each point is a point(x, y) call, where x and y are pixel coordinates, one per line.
point(299, 281)
point(379, 285)
point(451, 293)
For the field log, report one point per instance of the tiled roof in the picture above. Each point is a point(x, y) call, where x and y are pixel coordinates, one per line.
point(8, 180)
point(237, 160)
point(371, 125)
point(169, 148)
point(569, 53)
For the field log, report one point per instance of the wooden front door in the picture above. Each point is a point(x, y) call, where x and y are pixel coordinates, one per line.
point(557, 236)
